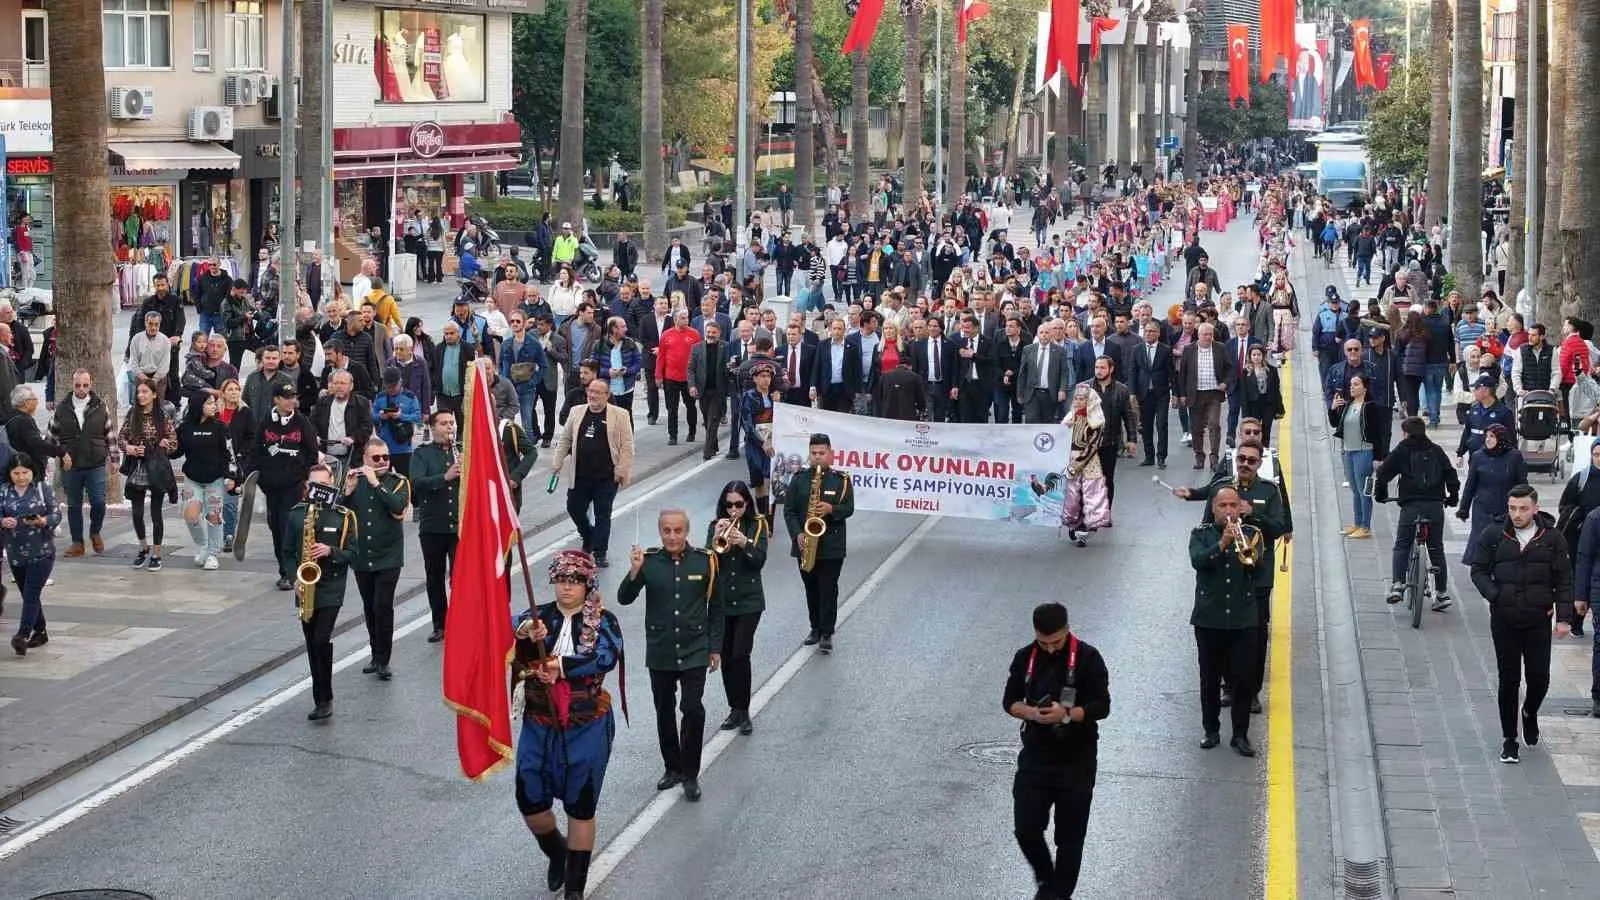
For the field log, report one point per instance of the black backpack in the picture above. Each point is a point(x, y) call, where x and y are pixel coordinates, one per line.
point(1425, 471)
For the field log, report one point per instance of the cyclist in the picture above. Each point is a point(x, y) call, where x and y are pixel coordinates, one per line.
point(1428, 483)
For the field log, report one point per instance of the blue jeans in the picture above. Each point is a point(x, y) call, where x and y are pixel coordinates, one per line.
point(30, 579)
point(526, 397)
point(230, 515)
point(1364, 269)
point(206, 528)
point(1357, 468)
point(75, 481)
point(1432, 385)
point(784, 280)
point(210, 324)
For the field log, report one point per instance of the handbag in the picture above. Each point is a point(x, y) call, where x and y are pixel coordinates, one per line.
point(139, 474)
point(522, 372)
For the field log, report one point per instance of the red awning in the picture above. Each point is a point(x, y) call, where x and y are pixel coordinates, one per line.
point(458, 165)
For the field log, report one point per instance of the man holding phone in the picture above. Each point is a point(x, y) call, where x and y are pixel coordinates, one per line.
point(1060, 689)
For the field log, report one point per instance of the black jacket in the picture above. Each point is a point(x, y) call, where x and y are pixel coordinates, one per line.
point(23, 433)
point(88, 444)
point(1523, 584)
point(205, 447)
point(1399, 464)
point(357, 421)
point(285, 451)
point(1067, 751)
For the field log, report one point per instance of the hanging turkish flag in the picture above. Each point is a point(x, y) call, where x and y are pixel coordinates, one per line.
point(1365, 77)
point(1099, 26)
point(1277, 34)
point(971, 11)
point(1238, 64)
point(863, 27)
point(1380, 78)
point(1062, 51)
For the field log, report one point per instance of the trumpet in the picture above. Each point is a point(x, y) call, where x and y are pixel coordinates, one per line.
point(723, 540)
point(1246, 541)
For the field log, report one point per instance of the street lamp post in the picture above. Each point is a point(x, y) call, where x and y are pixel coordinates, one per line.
point(741, 162)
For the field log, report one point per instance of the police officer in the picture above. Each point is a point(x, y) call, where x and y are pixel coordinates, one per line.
point(436, 483)
point(378, 496)
point(332, 549)
point(1060, 689)
point(835, 503)
point(744, 532)
point(683, 639)
point(1224, 616)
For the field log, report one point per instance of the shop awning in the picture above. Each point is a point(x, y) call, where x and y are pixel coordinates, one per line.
point(439, 165)
point(156, 156)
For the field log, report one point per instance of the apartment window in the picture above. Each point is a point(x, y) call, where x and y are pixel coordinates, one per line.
point(202, 35)
point(247, 35)
point(138, 34)
point(1504, 38)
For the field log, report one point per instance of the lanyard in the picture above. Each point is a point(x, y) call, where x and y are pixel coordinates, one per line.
point(1072, 660)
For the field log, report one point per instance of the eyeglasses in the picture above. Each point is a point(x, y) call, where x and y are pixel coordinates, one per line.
point(379, 457)
point(734, 504)
point(1250, 459)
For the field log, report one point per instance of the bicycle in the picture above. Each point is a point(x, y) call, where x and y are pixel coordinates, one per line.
point(1418, 590)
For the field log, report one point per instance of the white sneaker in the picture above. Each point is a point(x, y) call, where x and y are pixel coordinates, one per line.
point(211, 564)
point(200, 558)
point(1187, 439)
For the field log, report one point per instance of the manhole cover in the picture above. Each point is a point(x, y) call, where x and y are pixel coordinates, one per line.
point(8, 824)
point(95, 894)
point(994, 753)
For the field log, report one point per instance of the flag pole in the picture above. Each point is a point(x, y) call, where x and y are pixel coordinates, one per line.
point(938, 104)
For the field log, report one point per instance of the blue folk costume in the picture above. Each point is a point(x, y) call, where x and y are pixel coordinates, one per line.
point(567, 726)
point(755, 420)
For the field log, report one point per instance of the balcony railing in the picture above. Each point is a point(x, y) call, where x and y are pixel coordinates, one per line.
point(24, 73)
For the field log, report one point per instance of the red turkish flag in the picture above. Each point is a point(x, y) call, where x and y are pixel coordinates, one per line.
point(478, 641)
point(1381, 76)
point(1238, 64)
point(1365, 76)
point(1277, 34)
point(971, 11)
point(1061, 52)
point(863, 27)
point(1099, 26)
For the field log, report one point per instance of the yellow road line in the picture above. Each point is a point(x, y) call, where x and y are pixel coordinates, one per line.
point(1283, 880)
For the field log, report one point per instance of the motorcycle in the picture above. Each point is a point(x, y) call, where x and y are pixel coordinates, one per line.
point(488, 239)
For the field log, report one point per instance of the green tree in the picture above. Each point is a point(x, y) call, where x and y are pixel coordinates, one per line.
point(1222, 123)
point(886, 66)
point(1397, 127)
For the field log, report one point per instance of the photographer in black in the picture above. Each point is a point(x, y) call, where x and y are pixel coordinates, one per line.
point(1060, 689)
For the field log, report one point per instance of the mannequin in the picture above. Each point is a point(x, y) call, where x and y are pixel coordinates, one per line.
point(461, 80)
point(420, 90)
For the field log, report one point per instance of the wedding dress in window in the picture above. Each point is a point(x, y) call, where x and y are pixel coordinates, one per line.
point(462, 80)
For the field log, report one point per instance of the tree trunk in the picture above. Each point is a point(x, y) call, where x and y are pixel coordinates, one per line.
point(911, 135)
point(956, 154)
point(1580, 201)
point(654, 201)
point(1466, 190)
point(312, 84)
point(1127, 102)
point(1547, 306)
point(1061, 160)
point(573, 61)
point(826, 118)
point(751, 120)
point(83, 304)
point(860, 153)
point(1191, 108)
point(805, 150)
point(1439, 126)
point(1147, 127)
point(1521, 209)
point(1014, 123)
point(1094, 131)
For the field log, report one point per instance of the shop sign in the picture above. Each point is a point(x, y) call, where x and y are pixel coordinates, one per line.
point(26, 124)
point(427, 139)
point(347, 51)
point(29, 165)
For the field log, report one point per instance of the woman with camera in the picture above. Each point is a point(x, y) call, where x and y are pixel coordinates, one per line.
point(738, 538)
point(28, 520)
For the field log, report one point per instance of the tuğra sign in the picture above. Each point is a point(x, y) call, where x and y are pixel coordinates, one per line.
point(427, 139)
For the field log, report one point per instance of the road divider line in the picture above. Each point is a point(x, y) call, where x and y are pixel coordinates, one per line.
point(639, 827)
point(1283, 878)
point(95, 799)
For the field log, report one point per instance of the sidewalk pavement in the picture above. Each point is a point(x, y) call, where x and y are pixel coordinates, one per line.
point(1460, 823)
point(131, 651)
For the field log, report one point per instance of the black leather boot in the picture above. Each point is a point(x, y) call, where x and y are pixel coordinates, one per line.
point(577, 873)
point(554, 846)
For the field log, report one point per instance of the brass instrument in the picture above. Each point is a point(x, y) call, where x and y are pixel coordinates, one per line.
point(723, 540)
point(309, 572)
point(815, 526)
point(1246, 541)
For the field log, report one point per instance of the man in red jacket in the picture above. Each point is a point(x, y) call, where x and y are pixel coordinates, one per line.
point(672, 370)
point(1574, 354)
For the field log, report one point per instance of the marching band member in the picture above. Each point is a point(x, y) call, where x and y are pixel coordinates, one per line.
point(436, 485)
point(564, 650)
point(1224, 617)
point(755, 419)
point(378, 496)
point(738, 537)
point(683, 612)
point(819, 491)
point(326, 541)
point(286, 449)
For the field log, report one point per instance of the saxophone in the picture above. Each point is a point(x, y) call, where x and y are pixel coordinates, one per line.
point(309, 572)
point(815, 526)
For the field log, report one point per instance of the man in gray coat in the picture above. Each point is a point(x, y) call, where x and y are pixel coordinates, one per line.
point(1045, 376)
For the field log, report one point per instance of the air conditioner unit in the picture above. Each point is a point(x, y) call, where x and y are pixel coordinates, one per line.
point(240, 90)
point(211, 123)
point(132, 103)
point(264, 86)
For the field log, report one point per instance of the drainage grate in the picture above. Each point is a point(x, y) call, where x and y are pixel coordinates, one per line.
point(993, 753)
point(8, 825)
point(95, 894)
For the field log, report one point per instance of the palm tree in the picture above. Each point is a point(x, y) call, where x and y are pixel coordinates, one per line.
point(805, 186)
point(1518, 165)
point(1580, 197)
point(1466, 194)
point(751, 120)
point(911, 120)
point(956, 154)
point(650, 137)
point(1127, 102)
point(82, 199)
point(573, 60)
point(1549, 291)
point(1061, 158)
point(1156, 13)
point(860, 154)
point(1191, 91)
point(1439, 126)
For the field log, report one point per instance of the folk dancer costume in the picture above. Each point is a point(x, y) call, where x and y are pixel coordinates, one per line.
point(1087, 505)
point(567, 726)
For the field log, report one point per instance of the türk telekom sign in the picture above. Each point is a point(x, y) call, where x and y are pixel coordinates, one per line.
point(25, 121)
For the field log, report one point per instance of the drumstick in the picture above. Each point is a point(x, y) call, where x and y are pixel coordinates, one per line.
point(636, 526)
point(1157, 480)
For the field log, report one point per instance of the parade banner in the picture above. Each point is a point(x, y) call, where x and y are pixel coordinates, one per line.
point(1007, 473)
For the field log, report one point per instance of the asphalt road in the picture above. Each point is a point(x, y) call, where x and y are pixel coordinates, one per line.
point(884, 769)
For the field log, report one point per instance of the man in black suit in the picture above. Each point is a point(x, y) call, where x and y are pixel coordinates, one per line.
point(1010, 347)
point(709, 314)
point(900, 394)
point(931, 358)
point(1122, 420)
point(1150, 380)
point(975, 376)
point(741, 347)
point(833, 379)
point(1239, 355)
point(1097, 345)
point(708, 383)
point(795, 359)
point(1045, 376)
point(650, 329)
point(862, 360)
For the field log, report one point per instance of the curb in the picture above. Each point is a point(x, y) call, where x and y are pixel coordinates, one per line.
point(1361, 846)
point(63, 772)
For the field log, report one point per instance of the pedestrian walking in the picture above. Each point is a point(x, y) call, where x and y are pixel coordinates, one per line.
point(209, 472)
point(379, 497)
point(594, 456)
point(146, 439)
point(436, 488)
point(738, 538)
point(1355, 418)
point(84, 427)
point(1492, 472)
point(28, 519)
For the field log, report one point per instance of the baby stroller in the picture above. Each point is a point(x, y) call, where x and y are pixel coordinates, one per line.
point(1541, 431)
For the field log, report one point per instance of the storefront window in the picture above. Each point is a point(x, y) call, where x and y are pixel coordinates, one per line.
point(32, 194)
point(350, 200)
point(142, 219)
point(430, 57)
point(425, 195)
point(206, 224)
